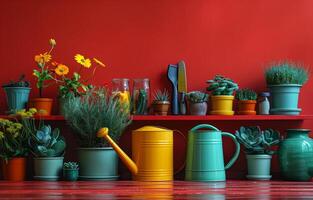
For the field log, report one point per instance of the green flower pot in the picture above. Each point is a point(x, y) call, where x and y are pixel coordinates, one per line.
point(48, 168)
point(17, 97)
point(98, 163)
point(296, 155)
point(70, 174)
point(259, 167)
point(284, 99)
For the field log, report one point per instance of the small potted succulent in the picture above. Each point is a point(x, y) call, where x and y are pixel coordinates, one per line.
point(246, 101)
point(284, 80)
point(161, 103)
point(17, 93)
point(222, 90)
point(197, 102)
point(70, 171)
point(86, 115)
point(258, 151)
point(48, 147)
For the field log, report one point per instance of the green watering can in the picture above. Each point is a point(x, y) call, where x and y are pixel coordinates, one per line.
point(205, 160)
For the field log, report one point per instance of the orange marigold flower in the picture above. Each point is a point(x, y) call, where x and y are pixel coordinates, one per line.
point(61, 70)
point(43, 58)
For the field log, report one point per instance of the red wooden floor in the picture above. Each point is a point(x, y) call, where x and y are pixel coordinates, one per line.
point(156, 190)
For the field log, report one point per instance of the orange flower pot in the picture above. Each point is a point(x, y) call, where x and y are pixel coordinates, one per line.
point(246, 107)
point(43, 106)
point(14, 169)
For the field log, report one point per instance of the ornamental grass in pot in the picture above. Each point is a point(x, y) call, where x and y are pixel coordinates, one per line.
point(258, 151)
point(161, 103)
point(86, 115)
point(17, 94)
point(13, 150)
point(246, 101)
point(222, 90)
point(284, 80)
point(197, 102)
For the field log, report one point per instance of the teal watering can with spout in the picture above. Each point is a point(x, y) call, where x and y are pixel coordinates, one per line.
point(205, 160)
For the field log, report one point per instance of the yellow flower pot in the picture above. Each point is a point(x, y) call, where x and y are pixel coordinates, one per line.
point(222, 105)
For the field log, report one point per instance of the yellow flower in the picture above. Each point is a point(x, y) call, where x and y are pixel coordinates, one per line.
point(61, 70)
point(43, 58)
point(98, 62)
point(82, 60)
point(52, 42)
point(33, 110)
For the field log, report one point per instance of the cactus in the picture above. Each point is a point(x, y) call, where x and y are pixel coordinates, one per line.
point(246, 94)
point(222, 86)
point(256, 141)
point(142, 102)
point(197, 97)
point(47, 143)
point(160, 95)
point(70, 165)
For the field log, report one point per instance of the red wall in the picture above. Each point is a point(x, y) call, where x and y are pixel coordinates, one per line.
point(139, 38)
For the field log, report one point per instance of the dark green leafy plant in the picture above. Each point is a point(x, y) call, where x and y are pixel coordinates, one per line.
point(70, 165)
point(95, 110)
point(197, 97)
point(246, 94)
point(21, 82)
point(160, 95)
point(285, 72)
point(256, 141)
point(222, 86)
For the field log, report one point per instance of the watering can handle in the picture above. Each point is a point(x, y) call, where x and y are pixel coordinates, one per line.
point(200, 126)
point(236, 154)
point(184, 163)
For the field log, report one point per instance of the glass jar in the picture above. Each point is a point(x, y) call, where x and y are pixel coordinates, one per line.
point(264, 104)
point(120, 89)
point(141, 96)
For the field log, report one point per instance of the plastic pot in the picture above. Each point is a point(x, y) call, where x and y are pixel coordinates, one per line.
point(14, 169)
point(259, 167)
point(17, 97)
point(43, 105)
point(222, 105)
point(48, 168)
point(198, 108)
point(161, 107)
point(70, 174)
point(246, 107)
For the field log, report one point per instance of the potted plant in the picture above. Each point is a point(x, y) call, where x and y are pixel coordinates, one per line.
point(161, 103)
point(70, 171)
point(48, 148)
point(13, 150)
point(222, 90)
point(43, 74)
point(86, 115)
point(284, 80)
point(197, 102)
point(257, 145)
point(246, 101)
point(17, 93)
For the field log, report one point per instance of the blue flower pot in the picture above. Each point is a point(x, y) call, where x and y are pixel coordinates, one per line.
point(284, 99)
point(17, 97)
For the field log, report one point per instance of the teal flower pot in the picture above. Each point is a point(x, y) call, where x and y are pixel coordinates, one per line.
point(296, 155)
point(284, 99)
point(259, 167)
point(97, 163)
point(17, 97)
point(48, 168)
point(70, 174)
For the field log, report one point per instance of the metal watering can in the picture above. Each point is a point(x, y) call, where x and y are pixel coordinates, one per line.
point(152, 153)
point(205, 160)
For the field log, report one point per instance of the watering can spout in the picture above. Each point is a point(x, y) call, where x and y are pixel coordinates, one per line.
point(104, 133)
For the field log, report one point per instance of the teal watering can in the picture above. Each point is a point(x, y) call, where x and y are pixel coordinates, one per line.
point(205, 160)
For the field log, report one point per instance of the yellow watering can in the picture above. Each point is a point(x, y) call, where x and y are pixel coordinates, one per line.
point(152, 153)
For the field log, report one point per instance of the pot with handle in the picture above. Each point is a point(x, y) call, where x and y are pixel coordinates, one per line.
point(152, 153)
point(205, 160)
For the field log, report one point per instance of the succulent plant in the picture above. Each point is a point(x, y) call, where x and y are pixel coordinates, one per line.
point(47, 142)
point(197, 97)
point(160, 95)
point(222, 86)
point(285, 72)
point(21, 82)
point(246, 94)
point(70, 165)
point(257, 141)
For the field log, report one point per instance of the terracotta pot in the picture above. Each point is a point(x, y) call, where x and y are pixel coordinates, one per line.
point(161, 107)
point(222, 105)
point(43, 105)
point(246, 107)
point(14, 169)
